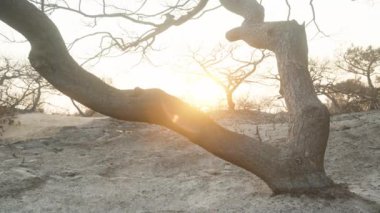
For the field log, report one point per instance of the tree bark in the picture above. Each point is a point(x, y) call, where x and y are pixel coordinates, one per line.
point(295, 166)
point(374, 102)
point(308, 135)
point(230, 101)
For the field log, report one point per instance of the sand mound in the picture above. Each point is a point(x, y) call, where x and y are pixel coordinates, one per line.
point(37, 125)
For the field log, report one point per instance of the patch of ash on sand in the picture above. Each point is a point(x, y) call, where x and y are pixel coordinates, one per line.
point(105, 165)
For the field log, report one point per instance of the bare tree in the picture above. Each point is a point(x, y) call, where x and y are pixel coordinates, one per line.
point(227, 70)
point(297, 165)
point(21, 87)
point(245, 102)
point(350, 95)
point(364, 62)
point(324, 80)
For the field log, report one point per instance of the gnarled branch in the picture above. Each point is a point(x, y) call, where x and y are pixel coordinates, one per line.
point(296, 166)
point(50, 58)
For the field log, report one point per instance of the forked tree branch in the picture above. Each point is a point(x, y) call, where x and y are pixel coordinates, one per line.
point(251, 11)
point(50, 58)
point(309, 122)
point(295, 167)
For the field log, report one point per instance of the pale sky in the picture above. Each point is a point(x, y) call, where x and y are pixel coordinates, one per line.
point(345, 21)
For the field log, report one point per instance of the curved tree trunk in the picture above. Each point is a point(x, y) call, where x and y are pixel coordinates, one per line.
point(296, 166)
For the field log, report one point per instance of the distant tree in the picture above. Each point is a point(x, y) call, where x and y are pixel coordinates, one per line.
point(364, 62)
point(245, 102)
point(21, 87)
point(352, 95)
point(226, 69)
point(324, 80)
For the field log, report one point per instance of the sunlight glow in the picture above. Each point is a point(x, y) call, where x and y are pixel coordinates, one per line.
point(205, 94)
point(175, 118)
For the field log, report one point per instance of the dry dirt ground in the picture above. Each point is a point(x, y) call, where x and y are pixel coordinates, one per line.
point(51, 163)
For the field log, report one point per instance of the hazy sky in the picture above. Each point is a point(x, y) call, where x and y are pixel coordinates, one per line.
point(345, 21)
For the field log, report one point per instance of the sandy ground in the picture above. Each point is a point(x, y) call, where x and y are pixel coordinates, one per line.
point(51, 163)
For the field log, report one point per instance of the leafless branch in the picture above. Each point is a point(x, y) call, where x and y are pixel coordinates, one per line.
point(206, 11)
point(155, 23)
point(313, 20)
point(289, 9)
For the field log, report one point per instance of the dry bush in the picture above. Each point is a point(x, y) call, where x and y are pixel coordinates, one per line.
point(21, 88)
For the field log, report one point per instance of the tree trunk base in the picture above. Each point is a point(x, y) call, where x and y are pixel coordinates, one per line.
point(303, 184)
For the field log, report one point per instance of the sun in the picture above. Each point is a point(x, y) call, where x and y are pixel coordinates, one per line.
point(205, 94)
